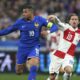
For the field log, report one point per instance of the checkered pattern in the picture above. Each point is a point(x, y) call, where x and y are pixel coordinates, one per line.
point(53, 38)
point(68, 41)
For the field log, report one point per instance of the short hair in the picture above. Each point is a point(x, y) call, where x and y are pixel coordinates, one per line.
point(28, 6)
point(69, 17)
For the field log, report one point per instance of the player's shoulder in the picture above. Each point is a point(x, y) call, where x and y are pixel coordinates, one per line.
point(40, 18)
point(68, 25)
point(19, 20)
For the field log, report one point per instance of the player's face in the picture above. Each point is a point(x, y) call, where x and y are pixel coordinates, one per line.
point(27, 13)
point(74, 21)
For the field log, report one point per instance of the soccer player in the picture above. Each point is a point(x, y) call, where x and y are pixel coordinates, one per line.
point(30, 27)
point(64, 55)
point(52, 41)
point(52, 44)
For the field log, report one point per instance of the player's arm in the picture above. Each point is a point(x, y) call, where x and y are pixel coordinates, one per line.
point(49, 25)
point(56, 20)
point(52, 27)
point(10, 29)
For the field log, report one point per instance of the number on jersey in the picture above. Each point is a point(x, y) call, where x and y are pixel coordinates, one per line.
point(31, 33)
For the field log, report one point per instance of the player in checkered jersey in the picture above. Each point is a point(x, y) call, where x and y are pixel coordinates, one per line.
point(69, 38)
point(52, 43)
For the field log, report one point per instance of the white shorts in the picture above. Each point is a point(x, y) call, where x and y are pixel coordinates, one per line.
point(68, 61)
point(55, 63)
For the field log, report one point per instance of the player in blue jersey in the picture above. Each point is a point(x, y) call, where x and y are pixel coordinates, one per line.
point(30, 27)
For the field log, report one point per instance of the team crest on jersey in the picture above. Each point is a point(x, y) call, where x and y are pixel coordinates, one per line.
point(36, 24)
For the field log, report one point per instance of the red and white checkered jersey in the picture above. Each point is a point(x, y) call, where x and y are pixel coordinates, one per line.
point(53, 39)
point(69, 38)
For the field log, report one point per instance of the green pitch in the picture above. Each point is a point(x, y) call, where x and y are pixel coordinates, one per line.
point(24, 77)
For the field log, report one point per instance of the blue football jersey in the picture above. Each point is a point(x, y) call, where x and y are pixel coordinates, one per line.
point(29, 30)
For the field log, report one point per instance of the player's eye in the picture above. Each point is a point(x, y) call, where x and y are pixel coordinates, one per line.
point(72, 19)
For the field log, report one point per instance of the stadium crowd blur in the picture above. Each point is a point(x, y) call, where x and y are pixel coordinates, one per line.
point(10, 10)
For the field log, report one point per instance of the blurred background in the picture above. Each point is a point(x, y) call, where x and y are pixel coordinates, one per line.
point(10, 11)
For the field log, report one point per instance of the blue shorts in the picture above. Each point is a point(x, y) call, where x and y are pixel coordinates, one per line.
point(24, 53)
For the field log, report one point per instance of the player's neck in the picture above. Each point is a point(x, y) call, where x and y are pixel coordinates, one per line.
point(75, 27)
point(30, 18)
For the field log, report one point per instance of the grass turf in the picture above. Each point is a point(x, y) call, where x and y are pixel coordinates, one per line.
point(24, 77)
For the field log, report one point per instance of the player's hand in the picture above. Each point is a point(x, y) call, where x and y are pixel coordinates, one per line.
point(52, 18)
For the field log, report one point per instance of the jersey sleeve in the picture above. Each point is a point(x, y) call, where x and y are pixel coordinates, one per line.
point(62, 26)
point(10, 29)
point(49, 25)
point(44, 22)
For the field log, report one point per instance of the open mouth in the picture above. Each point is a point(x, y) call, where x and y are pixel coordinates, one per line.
point(74, 23)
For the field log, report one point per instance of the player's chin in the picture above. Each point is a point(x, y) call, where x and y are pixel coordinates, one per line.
point(74, 26)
